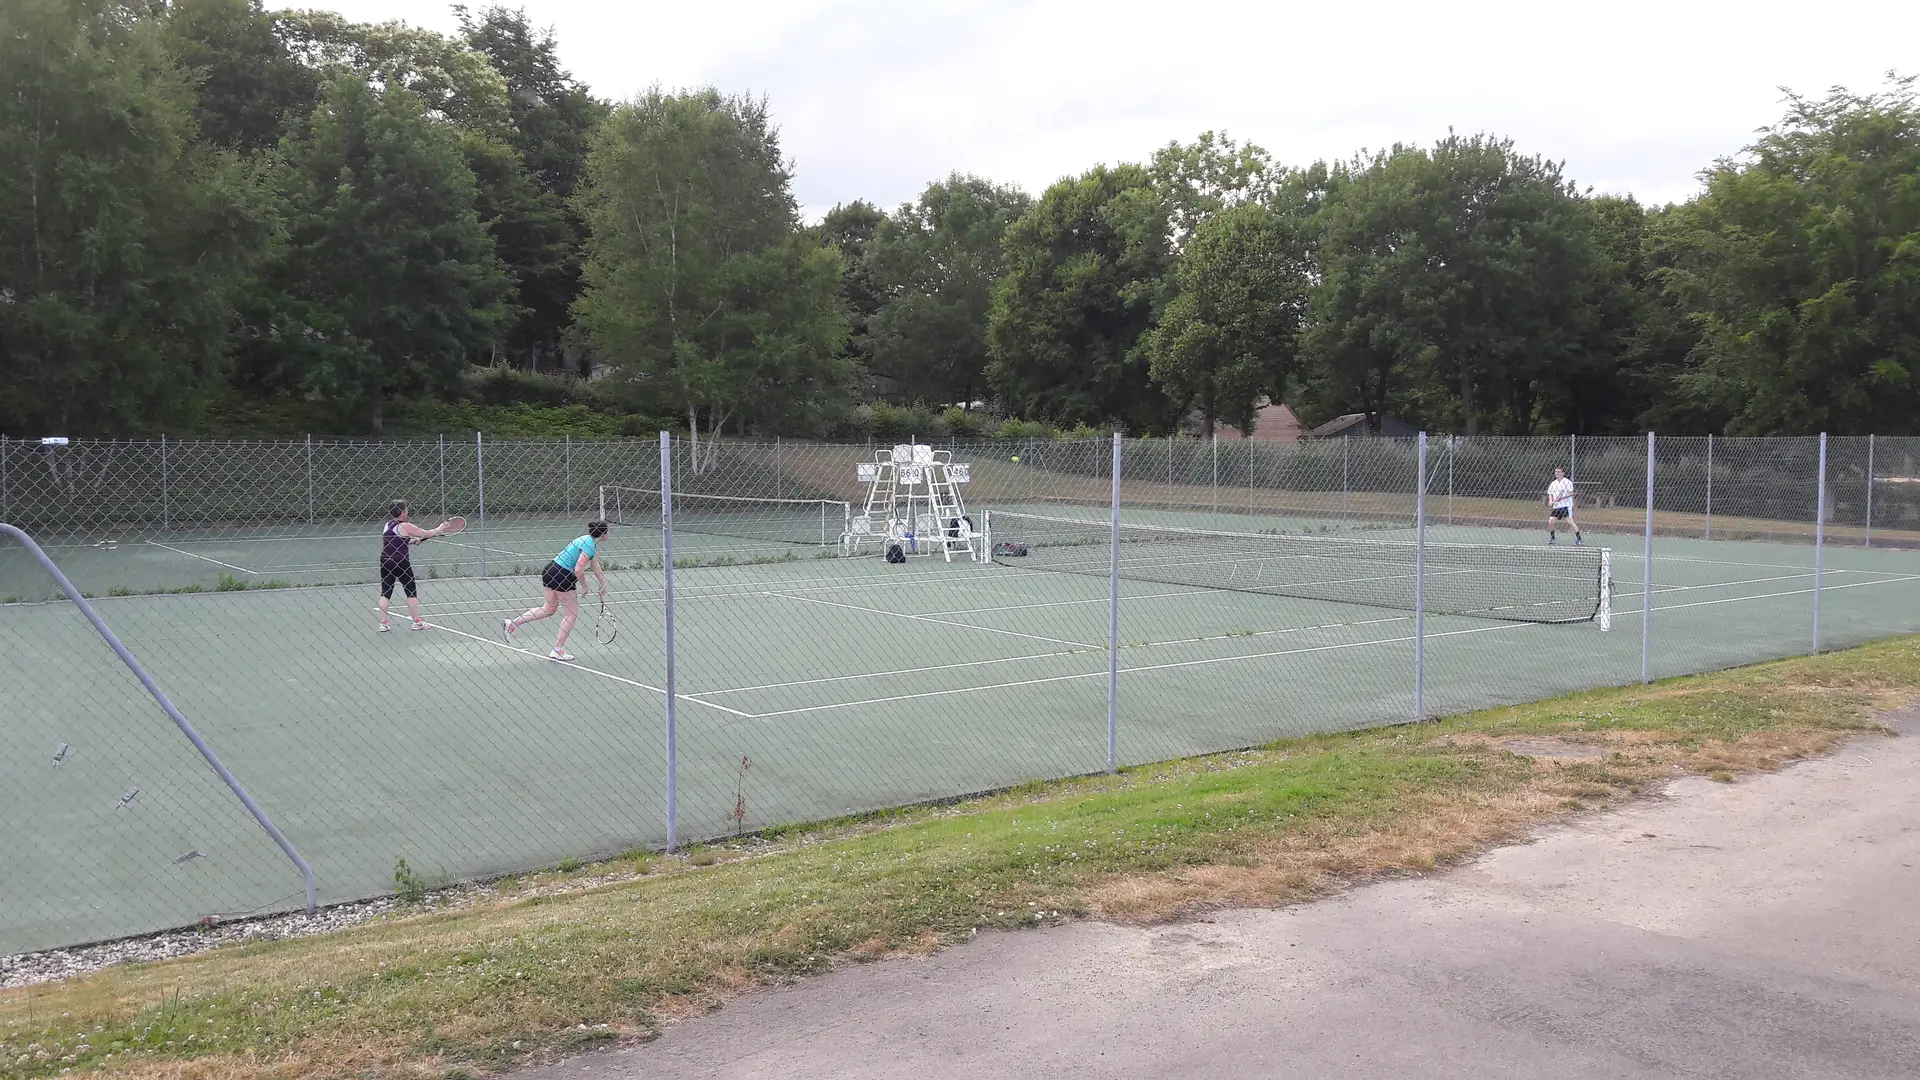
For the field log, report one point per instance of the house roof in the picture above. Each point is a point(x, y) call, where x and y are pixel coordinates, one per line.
point(1353, 424)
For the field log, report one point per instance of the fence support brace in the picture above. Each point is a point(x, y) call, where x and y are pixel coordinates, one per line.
point(153, 688)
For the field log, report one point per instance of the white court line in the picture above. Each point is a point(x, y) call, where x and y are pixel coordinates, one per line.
point(1053, 655)
point(1763, 596)
point(1131, 670)
point(942, 622)
point(577, 666)
point(202, 558)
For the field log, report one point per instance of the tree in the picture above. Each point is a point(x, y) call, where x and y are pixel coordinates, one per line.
point(849, 229)
point(1801, 262)
point(934, 262)
point(695, 279)
point(1465, 269)
point(122, 242)
point(553, 122)
point(387, 280)
point(1229, 336)
point(1207, 176)
point(251, 89)
point(1085, 270)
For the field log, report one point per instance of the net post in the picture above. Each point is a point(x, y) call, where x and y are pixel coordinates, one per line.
point(1420, 583)
point(1709, 534)
point(666, 567)
point(603, 503)
point(480, 482)
point(1113, 617)
point(1605, 613)
point(1646, 578)
point(1819, 538)
point(1867, 541)
point(309, 479)
point(159, 696)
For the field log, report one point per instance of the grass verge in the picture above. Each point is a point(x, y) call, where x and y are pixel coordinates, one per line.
point(560, 966)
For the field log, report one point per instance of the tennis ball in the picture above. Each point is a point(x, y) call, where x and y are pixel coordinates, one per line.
point(1015, 457)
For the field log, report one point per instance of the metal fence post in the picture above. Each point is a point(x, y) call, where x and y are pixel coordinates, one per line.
point(1819, 538)
point(1214, 452)
point(1346, 454)
point(1573, 455)
point(5, 502)
point(1113, 618)
point(480, 485)
point(166, 509)
point(1420, 582)
point(567, 449)
point(310, 479)
point(666, 567)
point(1172, 499)
point(160, 697)
point(443, 477)
point(1646, 578)
point(1709, 534)
point(778, 488)
point(1450, 445)
point(1868, 541)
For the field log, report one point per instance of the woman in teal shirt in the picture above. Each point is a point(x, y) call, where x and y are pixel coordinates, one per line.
point(561, 578)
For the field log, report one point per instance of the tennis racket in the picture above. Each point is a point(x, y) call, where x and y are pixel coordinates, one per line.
point(605, 629)
point(450, 527)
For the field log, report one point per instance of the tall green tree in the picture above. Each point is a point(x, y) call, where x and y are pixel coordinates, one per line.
point(935, 261)
point(1231, 334)
point(387, 279)
point(1466, 270)
point(1801, 262)
point(251, 87)
point(849, 228)
point(122, 240)
point(698, 279)
point(553, 116)
point(535, 237)
point(1086, 270)
point(1208, 175)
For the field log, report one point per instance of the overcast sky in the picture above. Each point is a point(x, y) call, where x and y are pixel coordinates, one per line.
point(875, 99)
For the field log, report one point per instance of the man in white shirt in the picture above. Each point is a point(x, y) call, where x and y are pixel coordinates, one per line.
point(1560, 506)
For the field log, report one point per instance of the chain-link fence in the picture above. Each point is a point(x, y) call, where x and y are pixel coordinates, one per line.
point(745, 670)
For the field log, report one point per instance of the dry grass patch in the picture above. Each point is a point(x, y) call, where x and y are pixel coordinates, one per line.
point(573, 961)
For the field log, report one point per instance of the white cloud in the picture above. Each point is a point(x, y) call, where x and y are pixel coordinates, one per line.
point(876, 98)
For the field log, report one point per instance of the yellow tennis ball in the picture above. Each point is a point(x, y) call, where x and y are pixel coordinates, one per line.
point(1015, 457)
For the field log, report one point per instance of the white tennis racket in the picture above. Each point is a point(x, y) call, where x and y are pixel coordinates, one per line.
point(605, 629)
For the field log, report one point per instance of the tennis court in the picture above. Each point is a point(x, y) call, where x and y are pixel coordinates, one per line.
point(842, 684)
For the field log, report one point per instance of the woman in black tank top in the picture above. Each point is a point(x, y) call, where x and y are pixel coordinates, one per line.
point(396, 562)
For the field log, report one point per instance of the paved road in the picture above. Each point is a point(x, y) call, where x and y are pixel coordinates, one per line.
point(1766, 929)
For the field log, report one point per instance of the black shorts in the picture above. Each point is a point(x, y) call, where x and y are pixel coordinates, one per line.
point(1560, 512)
point(401, 572)
point(558, 578)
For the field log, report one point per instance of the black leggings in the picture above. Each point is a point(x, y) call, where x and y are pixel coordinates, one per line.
point(401, 572)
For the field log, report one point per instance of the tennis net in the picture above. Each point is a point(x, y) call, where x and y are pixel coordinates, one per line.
point(810, 522)
point(1509, 582)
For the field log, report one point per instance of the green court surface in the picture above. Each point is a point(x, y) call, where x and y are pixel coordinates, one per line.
point(808, 687)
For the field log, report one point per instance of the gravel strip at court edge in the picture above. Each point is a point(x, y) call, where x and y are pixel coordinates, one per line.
point(54, 965)
point(27, 969)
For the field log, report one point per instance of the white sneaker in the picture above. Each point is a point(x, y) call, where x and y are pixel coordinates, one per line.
point(419, 624)
point(383, 628)
point(563, 657)
point(506, 630)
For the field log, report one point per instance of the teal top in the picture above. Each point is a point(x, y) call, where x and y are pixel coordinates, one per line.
point(570, 558)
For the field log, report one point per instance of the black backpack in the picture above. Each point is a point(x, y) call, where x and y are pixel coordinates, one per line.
point(895, 555)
